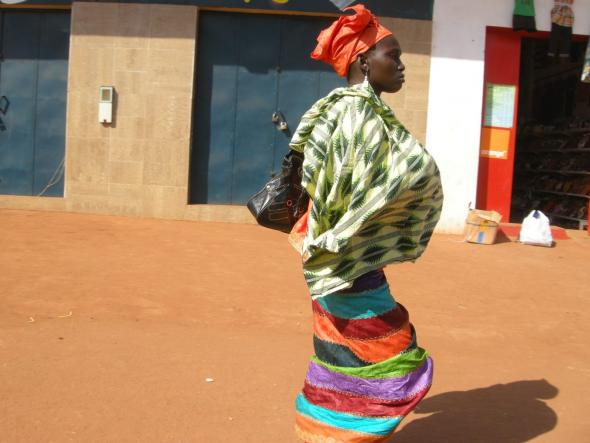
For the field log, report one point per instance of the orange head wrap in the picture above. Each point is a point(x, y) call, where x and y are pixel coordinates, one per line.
point(348, 37)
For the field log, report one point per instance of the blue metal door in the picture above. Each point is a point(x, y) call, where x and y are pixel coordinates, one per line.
point(250, 67)
point(33, 80)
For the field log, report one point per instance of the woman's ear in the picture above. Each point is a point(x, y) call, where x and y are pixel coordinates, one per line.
point(363, 62)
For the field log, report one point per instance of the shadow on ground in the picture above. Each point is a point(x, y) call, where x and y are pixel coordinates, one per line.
point(503, 413)
point(501, 237)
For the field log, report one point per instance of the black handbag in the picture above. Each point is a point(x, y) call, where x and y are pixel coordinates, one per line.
point(282, 201)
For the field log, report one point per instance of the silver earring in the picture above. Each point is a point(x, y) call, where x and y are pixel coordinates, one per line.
point(366, 80)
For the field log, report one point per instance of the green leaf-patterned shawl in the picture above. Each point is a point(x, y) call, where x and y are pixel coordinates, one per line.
point(376, 192)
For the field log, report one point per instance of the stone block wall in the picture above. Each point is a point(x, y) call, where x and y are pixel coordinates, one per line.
point(138, 165)
point(410, 105)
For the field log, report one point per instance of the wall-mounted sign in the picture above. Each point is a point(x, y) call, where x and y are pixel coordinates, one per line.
point(500, 103)
point(495, 143)
point(414, 9)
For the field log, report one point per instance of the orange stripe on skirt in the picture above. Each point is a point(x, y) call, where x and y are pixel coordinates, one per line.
point(371, 350)
point(312, 431)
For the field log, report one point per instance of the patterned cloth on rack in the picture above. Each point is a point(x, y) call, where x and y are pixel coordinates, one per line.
point(368, 372)
point(562, 22)
point(562, 13)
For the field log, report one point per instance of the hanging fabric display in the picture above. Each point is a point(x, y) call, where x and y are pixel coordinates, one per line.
point(586, 71)
point(562, 22)
point(524, 16)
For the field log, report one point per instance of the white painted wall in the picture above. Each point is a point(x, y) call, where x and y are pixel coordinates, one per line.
point(456, 90)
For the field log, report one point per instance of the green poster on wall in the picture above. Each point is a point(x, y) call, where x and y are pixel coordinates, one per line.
point(499, 106)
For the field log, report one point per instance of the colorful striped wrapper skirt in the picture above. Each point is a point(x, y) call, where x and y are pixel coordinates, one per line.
point(367, 373)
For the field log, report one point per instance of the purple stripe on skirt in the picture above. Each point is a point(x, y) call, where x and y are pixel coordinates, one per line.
point(392, 389)
point(366, 282)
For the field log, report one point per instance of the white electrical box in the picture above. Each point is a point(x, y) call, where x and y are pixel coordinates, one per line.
point(105, 104)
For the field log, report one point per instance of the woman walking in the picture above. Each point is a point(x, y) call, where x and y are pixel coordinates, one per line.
point(376, 197)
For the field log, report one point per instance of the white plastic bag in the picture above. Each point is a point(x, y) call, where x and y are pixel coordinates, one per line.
point(536, 230)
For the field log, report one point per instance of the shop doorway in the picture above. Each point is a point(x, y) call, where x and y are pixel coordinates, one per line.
point(254, 81)
point(535, 144)
point(552, 162)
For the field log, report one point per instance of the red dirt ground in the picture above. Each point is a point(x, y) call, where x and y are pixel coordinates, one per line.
point(109, 327)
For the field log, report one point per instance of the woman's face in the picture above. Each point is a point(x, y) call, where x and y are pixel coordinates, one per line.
point(386, 70)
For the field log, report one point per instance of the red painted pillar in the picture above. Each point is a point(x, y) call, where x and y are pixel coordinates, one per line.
point(502, 67)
